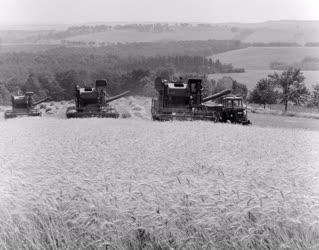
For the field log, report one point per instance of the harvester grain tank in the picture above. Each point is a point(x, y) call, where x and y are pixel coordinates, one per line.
point(180, 100)
point(24, 105)
point(93, 102)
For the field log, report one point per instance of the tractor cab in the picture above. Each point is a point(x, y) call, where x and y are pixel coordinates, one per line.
point(233, 102)
point(234, 110)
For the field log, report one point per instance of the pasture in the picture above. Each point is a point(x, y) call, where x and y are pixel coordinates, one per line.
point(259, 58)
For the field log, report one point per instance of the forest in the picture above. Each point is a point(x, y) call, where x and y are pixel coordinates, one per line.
point(54, 72)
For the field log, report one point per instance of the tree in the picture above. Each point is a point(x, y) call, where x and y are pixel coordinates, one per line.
point(315, 96)
point(67, 80)
point(135, 80)
point(33, 84)
point(227, 82)
point(224, 83)
point(4, 94)
point(292, 86)
point(264, 92)
point(50, 86)
point(165, 72)
point(239, 89)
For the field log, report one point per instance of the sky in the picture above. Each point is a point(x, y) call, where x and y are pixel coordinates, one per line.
point(25, 12)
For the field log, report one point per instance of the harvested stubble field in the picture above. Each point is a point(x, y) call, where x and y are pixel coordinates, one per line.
point(137, 184)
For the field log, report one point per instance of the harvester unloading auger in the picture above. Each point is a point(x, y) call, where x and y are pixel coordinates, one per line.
point(24, 105)
point(93, 102)
point(181, 100)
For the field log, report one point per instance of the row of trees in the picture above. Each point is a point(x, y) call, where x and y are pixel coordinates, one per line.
point(284, 87)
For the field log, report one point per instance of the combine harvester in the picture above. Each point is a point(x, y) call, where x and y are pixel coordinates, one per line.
point(24, 105)
point(180, 100)
point(92, 102)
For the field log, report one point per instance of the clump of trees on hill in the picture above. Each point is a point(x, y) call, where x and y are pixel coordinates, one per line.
point(284, 87)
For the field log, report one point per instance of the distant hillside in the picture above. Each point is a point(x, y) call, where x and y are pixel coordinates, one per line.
point(272, 31)
point(300, 32)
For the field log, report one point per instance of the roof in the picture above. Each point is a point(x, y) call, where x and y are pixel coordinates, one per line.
point(85, 90)
point(18, 97)
point(177, 85)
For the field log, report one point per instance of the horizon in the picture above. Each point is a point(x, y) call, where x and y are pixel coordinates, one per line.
point(67, 12)
point(33, 25)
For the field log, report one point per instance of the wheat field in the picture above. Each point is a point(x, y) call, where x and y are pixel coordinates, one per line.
point(138, 184)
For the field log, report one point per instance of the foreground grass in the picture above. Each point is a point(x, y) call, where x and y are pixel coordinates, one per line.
point(129, 184)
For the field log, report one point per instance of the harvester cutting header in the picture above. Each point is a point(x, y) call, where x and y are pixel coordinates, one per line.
point(183, 100)
point(93, 102)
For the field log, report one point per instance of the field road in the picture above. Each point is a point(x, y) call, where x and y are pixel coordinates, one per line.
point(265, 120)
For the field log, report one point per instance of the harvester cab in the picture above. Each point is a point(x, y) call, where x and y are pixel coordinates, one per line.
point(24, 105)
point(93, 102)
point(234, 110)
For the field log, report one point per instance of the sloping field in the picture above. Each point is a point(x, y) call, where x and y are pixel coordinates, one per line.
point(251, 77)
point(128, 36)
point(259, 58)
point(137, 184)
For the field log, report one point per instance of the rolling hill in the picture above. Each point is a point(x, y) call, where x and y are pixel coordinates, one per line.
point(272, 31)
point(259, 58)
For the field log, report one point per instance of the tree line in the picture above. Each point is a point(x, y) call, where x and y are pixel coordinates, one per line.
point(285, 87)
point(55, 74)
